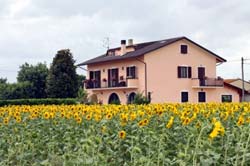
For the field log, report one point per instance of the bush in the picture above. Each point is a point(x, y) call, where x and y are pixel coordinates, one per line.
point(116, 102)
point(47, 101)
point(140, 99)
point(82, 96)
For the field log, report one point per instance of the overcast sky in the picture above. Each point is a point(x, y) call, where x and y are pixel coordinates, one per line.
point(33, 30)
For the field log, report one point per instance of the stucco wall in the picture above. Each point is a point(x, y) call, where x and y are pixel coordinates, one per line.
point(162, 73)
point(121, 65)
point(162, 78)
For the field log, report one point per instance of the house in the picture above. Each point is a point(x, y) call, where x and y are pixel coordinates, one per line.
point(170, 70)
point(237, 83)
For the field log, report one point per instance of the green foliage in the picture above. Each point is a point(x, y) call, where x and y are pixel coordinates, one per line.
point(16, 91)
point(80, 79)
point(62, 79)
point(3, 80)
point(140, 99)
point(48, 101)
point(116, 102)
point(82, 96)
point(36, 76)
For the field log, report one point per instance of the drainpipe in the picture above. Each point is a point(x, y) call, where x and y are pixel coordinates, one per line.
point(146, 86)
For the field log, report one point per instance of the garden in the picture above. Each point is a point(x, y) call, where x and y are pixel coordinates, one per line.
point(153, 134)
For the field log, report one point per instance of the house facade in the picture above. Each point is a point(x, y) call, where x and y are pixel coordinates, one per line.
point(171, 70)
point(238, 84)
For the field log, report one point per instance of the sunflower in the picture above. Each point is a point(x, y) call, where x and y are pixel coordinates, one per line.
point(170, 122)
point(6, 120)
point(88, 117)
point(78, 120)
point(109, 116)
point(122, 134)
point(46, 115)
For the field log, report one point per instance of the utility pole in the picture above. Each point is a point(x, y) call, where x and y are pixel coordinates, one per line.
point(242, 75)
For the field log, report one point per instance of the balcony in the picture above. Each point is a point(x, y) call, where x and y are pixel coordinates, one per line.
point(207, 83)
point(130, 83)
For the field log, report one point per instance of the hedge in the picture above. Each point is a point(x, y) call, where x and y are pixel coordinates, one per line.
point(47, 101)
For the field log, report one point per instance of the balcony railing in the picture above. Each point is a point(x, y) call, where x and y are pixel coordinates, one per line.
point(208, 82)
point(128, 83)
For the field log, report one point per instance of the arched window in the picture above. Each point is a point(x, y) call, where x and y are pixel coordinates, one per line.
point(131, 98)
point(114, 99)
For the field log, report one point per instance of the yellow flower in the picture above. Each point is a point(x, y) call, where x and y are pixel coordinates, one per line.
point(109, 116)
point(88, 117)
point(186, 121)
point(170, 122)
point(122, 134)
point(46, 115)
point(145, 122)
point(18, 119)
point(240, 121)
point(6, 120)
point(132, 116)
point(140, 124)
point(218, 129)
point(79, 120)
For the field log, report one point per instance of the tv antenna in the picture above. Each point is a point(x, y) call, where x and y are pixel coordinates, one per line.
point(106, 43)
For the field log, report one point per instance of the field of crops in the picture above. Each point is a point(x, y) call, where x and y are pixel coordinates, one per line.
point(156, 134)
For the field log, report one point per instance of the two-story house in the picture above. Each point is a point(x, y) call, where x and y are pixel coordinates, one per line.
point(170, 70)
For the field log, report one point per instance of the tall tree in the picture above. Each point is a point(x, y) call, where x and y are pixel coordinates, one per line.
point(36, 76)
point(80, 79)
point(62, 79)
point(3, 80)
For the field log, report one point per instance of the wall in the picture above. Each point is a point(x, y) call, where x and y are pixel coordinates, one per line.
point(162, 73)
point(103, 67)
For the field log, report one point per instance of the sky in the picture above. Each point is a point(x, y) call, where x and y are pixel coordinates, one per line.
point(33, 31)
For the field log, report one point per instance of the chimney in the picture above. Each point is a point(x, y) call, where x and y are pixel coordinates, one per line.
point(130, 42)
point(123, 47)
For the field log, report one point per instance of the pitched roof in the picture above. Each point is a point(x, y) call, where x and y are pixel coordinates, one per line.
point(238, 83)
point(230, 80)
point(143, 48)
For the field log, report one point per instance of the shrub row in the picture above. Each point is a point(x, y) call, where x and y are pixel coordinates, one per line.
point(47, 101)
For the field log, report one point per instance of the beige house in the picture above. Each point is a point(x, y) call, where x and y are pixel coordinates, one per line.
point(237, 83)
point(171, 70)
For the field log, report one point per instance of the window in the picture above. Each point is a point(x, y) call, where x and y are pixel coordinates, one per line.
point(95, 78)
point(226, 98)
point(131, 72)
point(184, 72)
point(184, 49)
point(113, 77)
point(202, 96)
point(184, 97)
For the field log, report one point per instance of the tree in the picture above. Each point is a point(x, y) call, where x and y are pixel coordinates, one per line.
point(3, 80)
point(16, 91)
point(62, 79)
point(80, 79)
point(36, 76)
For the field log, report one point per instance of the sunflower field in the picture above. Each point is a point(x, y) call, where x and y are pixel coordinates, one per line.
point(154, 134)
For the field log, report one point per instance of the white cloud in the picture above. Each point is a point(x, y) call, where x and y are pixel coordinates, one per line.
point(32, 31)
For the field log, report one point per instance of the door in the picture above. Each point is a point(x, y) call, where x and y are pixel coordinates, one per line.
point(202, 96)
point(201, 75)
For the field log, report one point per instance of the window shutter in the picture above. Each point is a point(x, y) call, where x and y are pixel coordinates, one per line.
point(91, 75)
point(127, 71)
point(133, 71)
point(184, 49)
point(179, 72)
point(189, 72)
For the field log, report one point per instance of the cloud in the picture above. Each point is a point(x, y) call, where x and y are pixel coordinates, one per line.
point(33, 30)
